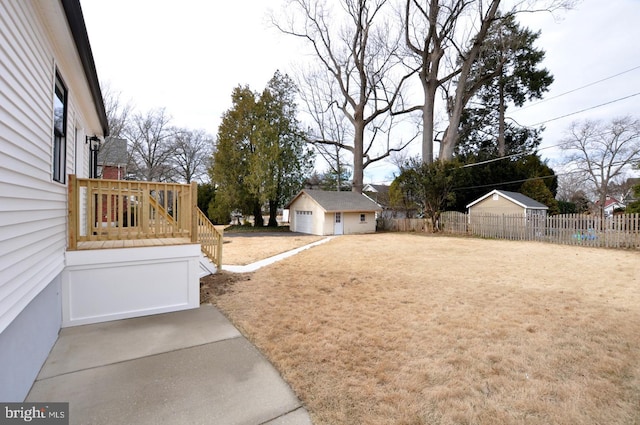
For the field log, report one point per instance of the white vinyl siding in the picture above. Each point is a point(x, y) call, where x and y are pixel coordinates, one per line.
point(33, 208)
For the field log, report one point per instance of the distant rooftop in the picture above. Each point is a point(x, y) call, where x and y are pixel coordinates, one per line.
point(113, 152)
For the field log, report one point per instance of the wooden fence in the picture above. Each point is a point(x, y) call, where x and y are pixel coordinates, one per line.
point(619, 231)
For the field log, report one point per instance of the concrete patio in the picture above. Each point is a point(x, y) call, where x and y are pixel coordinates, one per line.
point(187, 367)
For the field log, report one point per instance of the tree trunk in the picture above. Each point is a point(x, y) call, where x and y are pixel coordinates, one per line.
point(273, 213)
point(257, 215)
point(358, 152)
point(501, 126)
point(427, 122)
point(463, 92)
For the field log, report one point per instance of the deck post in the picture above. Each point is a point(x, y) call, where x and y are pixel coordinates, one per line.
point(194, 212)
point(72, 205)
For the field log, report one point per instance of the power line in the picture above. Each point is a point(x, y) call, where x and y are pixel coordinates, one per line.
point(529, 179)
point(585, 110)
point(577, 89)
point(510, 182)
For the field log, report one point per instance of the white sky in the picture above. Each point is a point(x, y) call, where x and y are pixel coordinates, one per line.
point(187, 56)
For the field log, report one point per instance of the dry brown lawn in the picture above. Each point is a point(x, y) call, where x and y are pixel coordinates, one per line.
point(243, 250)
point(410, 329)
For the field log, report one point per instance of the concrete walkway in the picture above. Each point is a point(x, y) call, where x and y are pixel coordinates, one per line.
point(262, 263)
point(187, 367)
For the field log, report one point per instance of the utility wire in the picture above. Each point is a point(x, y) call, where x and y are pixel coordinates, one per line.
point(577, 89)
point(585, 110)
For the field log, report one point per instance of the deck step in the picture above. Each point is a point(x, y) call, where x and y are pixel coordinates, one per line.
point(206, 266)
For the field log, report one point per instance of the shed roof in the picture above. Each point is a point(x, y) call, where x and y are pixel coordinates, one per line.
point(338, 201)
point(517, 198)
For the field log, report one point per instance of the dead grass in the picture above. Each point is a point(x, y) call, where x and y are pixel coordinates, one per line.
point(246, 249)
point(407, 329)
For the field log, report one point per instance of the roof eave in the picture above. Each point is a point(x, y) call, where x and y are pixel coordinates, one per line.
point(73, 12)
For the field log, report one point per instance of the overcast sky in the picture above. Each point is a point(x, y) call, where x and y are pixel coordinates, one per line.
point(187, 56)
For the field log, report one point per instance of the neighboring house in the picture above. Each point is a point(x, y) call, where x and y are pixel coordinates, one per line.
point(379, 193)
point(506, 203)
point(610, 205)
point(52, 273)
point(320, 212)
point(113, 158)
point(111, 163)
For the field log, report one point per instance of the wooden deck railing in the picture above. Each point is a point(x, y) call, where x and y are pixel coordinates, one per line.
point(106, 210)
point(210, 238)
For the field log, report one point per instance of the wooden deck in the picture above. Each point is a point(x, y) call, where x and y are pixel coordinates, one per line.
point(132, 243)
point(112, 214)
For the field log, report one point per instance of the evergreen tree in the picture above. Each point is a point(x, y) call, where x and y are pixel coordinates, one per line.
point(430, 186)
point(282, 160)
point(537, 190)
point(512, 61)
point(236, 144)
point(261, 156)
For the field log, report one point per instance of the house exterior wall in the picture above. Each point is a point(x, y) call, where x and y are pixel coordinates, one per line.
point(27, 341)
point(351, 223)
point(35, 42)
point(496, 206)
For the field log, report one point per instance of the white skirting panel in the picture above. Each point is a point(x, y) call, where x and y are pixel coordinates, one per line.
point(111, 284)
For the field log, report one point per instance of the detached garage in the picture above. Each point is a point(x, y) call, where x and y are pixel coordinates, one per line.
point(320, 212)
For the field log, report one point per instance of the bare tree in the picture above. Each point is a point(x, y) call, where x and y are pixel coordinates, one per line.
point(357, 55)
point(446, 37)
point(118, 111)
point(192, 155)
point(603, 152)
point(150, 135)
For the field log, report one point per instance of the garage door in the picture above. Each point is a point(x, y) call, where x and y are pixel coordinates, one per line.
point(304, 221)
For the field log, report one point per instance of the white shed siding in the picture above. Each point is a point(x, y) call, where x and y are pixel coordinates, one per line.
point(351, 223)
point(305, 203)
point(33, 207)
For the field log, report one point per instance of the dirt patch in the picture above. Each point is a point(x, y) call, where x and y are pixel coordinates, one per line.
point(405, 329)
point(220, 283)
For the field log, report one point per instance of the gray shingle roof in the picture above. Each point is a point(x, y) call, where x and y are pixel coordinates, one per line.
point(340, 201)
point(523, 199)
point(519, 198)
point(113, 152)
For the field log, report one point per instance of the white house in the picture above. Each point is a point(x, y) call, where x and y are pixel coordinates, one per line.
point(52, 218)
point(610, 205)
point(320, 212)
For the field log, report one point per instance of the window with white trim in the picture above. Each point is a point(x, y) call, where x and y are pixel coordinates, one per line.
point(59, 130)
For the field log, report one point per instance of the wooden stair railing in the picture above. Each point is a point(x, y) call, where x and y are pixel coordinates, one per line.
point(210, 238)
point(153, 202)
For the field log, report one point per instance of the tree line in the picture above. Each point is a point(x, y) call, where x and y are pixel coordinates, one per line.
point(381, 61)
point(384, 70)
point(157, 150)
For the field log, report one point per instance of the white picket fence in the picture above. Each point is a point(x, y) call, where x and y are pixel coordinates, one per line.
point(619, 231)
